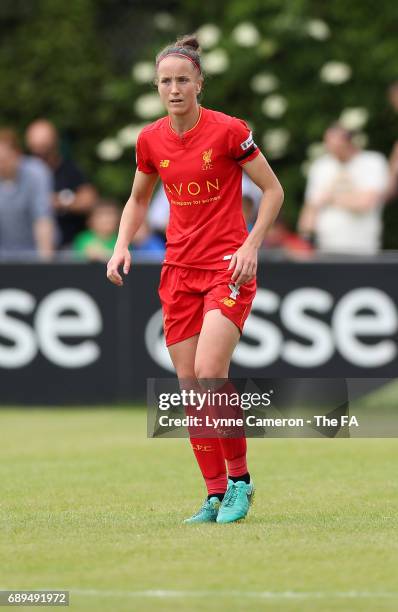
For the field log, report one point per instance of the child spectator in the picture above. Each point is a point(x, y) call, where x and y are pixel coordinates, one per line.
point(98, 241)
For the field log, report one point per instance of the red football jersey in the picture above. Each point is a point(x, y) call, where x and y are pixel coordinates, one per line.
point(202, 177)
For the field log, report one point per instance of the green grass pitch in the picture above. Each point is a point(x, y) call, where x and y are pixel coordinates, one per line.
point(89, 504)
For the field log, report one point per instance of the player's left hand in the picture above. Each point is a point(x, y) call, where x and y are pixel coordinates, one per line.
point(244, 260)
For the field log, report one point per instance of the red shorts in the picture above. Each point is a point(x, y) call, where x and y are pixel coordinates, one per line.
point(187, 294)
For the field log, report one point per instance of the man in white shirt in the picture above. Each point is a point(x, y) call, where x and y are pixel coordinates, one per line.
point(344, 197)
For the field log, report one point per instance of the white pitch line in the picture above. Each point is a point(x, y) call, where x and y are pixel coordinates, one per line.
point(169, 594)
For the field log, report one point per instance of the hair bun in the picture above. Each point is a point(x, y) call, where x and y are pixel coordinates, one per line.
point(189, 40)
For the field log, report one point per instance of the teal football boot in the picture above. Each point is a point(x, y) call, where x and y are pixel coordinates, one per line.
point(207, 513)
point(236, 502)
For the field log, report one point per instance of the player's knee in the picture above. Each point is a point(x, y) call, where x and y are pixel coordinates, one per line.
point(186, 378)
point(208, 370)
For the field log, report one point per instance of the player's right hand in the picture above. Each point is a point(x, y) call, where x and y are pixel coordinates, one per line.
point(119, 258)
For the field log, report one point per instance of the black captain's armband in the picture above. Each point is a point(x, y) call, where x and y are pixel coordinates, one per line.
point(247, 153)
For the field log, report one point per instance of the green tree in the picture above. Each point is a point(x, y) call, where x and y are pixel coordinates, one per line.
point(51, 65)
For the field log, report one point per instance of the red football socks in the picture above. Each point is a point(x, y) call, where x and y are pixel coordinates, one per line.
point(234, 451)
point(212, 453)
point(233, 444)
point(210, 458)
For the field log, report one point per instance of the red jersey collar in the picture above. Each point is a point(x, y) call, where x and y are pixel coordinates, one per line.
point(189, 132)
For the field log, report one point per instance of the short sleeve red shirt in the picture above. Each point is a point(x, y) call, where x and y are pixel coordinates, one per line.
point(201, 173)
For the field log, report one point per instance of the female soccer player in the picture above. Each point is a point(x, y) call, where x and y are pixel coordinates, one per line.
point(208, 277)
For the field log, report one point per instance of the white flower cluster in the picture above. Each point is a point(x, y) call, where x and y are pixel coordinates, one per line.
point(143, 72)
point(318, 29)
point(109, 149)
point(275, 142)
point(274, 106)
point(128, 135)
point(208, 35)
point(246, 34)
point(354, 118)
point(148, 106)
point(264, 82)
point(216, 61)
point(335, 73)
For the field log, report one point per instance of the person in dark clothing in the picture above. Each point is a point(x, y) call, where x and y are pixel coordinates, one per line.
point(73, 197)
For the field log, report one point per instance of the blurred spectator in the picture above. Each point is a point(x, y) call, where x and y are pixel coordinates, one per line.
point(251, 196)
point(344, 197)
point(392, 191)
point(145, 241)
point(97, 242)
point(158, 213)
point(249, 211)
point(26, 223)
point(73, 196)
point(250, 190)
point(282, 238)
